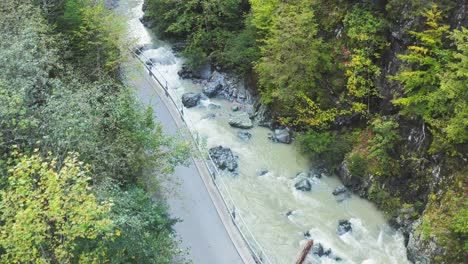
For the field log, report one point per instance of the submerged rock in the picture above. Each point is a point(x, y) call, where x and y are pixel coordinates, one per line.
point(209, 116)
point(190, 99)
point(307, 235)
point(223, 158)
point(244, 135)
point(343, 227)
point(240, 120)
point(339, 190)
point(262, 172)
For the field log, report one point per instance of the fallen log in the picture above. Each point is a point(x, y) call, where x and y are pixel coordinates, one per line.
point(305, 251)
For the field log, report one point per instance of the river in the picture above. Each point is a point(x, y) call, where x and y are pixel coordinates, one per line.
point(265, 200)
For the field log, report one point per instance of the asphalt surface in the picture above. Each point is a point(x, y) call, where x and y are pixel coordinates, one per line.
point(202, 231)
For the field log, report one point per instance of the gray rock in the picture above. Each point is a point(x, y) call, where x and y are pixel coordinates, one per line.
point(235, 108)
point(240, 120)
point(318, 250)
point(186, 73)
point(339, 190)
point(212, 89)
point(224, 159)
point(307, 235)
point(281, 135)
point(262, 172)
point(244, 135)
point(190, 99)
point(343, 227)
point(303, 182)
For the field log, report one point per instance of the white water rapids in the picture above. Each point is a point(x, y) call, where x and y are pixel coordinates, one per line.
point(265, 200)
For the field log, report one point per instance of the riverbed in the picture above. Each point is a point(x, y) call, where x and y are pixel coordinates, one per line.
point(277, 214)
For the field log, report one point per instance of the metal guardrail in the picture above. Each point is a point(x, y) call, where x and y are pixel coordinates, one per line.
point(236, 216)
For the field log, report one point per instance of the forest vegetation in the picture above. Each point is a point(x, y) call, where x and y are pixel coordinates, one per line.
point(378, 88)
point(81, 161)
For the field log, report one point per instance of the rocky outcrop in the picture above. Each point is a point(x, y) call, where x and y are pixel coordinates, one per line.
point(224, 159)
point(240, 120)
point(191, 99)
point(281, 135)
point(419, 250)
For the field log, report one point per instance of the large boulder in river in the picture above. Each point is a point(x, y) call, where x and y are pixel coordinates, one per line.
point(281, 135)
point(240, 120)
point(190, 99)
point(303, 182)
point(223, 158)
point(212, 89)
point(343, 227)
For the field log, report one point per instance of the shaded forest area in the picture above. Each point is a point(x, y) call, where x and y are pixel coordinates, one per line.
point(81, 162)
point(377, 90)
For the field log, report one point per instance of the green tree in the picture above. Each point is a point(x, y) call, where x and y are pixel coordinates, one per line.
point(46, 208)
point(434, 82)
point(95, 34)
point(293, 62)
point(144, 227)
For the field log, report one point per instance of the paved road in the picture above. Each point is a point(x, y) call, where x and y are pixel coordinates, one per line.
point(202, 230)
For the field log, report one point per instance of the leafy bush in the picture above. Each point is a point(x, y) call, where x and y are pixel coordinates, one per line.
point(357, 164)
point(323, 146)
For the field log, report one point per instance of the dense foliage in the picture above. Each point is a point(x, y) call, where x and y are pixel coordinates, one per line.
point(77, 152)
point(381, 85)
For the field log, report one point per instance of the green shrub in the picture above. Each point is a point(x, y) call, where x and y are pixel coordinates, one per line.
point(328, 147)
point(357, 164)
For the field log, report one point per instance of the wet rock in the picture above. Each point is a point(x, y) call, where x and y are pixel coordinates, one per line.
point(209, 116)
point(303, 182)
point(214, 106)
point(212, 89)
point(186, 73)
point(240, 120)
point(318, 250)
point(343, 227)
point(244, 135)
point(307, 235)
point(262, 172)
point(339, 190)
point(190, 99)
point(289, 213)
point(281, 135)
point(235, 108)
point(223, 158)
